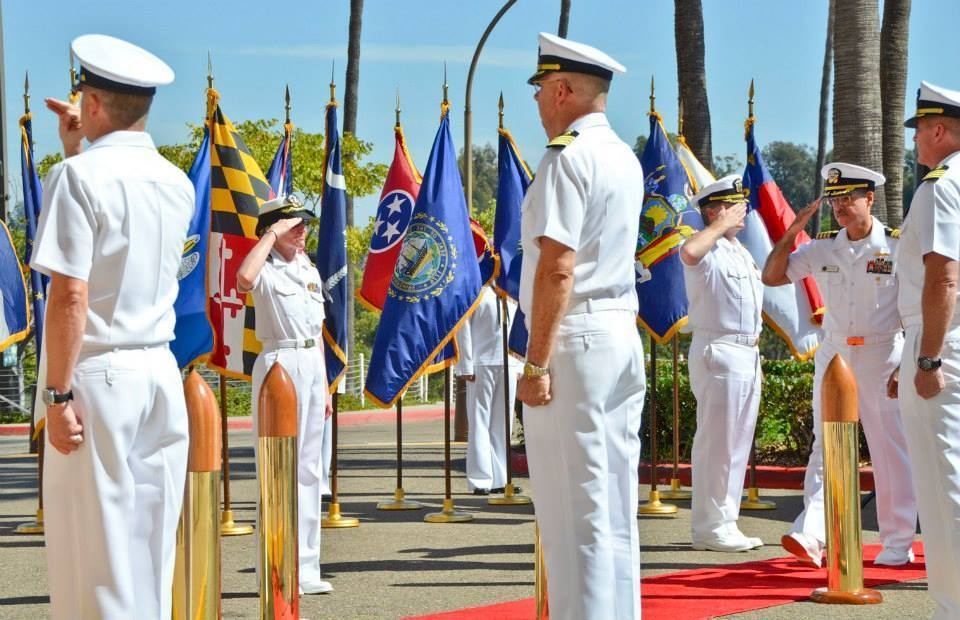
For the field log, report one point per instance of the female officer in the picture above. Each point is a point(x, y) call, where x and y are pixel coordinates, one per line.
point(288, 296)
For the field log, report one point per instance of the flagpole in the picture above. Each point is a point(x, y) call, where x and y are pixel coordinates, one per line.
point(228, 527)
point(509, 497)
point(449, 514)
point(3, 129)
point(676, 490)
point(654, 507)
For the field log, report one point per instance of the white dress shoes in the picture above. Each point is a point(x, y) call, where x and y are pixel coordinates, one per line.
point(317, 586)
point(804, 547)
point(728, 543)
point(894, 557)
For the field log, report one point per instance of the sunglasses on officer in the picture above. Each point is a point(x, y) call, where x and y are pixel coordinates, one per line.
point(538, 86)
point(846, 199)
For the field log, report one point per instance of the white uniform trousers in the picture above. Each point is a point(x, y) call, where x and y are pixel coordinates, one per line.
point(306, 369)
point(327, 458)
point(583, 449)
point(725, 379)
point(932, 428)
point(880, 416)
point(487, 441)
point(112, 507)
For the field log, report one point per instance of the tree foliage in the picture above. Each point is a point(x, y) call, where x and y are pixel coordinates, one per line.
point(485, 174)
point(792, 166)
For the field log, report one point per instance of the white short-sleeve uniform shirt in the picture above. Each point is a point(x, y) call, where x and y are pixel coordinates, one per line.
point(289, 300)
point(931, 225)
point(600, 171)
point(857, 278)
point(116, 216)
point(724, 291)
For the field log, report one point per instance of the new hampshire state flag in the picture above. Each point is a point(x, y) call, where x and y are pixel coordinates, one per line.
point(436, 282)
point(665, 221)
point(32, 201)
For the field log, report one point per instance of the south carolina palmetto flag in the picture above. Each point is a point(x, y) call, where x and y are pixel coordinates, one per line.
point(237, 189)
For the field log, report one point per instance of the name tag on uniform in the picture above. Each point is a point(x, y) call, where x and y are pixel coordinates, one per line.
point(830, 268)
point(880, 264)
point(312, 287)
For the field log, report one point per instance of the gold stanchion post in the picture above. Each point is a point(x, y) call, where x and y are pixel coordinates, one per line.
point(841, 489)
point(654, 507)
point(399, 502)
point(334, 518)
point(228, 527)
point(449, 514)
point(196, 582)
point(279, 551)
point(540, 576)
point(36, 526)
point(676, 490)
point(753, 501)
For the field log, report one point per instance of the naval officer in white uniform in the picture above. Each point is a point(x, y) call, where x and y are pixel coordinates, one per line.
point(726, 298)
point(583, 383)
point(288, 295)
point(480, 342)
point(855, 271)
point(110, 236)
point(927, 261)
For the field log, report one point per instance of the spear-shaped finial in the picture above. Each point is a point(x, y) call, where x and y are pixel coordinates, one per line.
point(26, 92)
point(397, 110)
point(286, 102)
point(750, 100)
point(445, 102)
point(680, 119)
point(333, 86)
point(209, 71)
point(653, 107)
point(500, 106)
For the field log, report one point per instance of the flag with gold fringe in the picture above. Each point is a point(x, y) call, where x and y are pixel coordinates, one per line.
point(237, 189)
point(436, 282)
point(15, 317)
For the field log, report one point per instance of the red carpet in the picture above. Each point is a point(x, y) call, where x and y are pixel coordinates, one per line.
point(718, 590)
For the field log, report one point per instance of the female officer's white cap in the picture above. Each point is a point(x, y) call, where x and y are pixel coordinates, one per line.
point(558, 54)
point(113, 64)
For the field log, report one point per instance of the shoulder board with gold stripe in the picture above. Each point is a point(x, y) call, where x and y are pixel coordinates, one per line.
point(828, 234)
point(936, 173)
point(892, 232)
point(563, 140)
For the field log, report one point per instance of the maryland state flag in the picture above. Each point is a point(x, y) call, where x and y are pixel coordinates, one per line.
point(513, 179)
point(331, 256)
point(280, 174)
point(237, 189)
point(665, 221)
point(192, 336)
point(793, 311)
point(15, 318)
point(392, 219)
point(436, 282)
point(32, 201)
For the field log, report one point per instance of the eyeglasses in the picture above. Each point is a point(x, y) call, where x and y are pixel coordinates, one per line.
point(842, 201)
point(538, 86)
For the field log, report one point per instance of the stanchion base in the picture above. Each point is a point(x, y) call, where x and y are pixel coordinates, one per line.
point(335, 519)
point(33, 527)
point(836, 597)
point(509, 499)
point(753, 501)
point(229, 528)
point(676, 491)
point(399, 502)
point(448, 515)
point(655, 508)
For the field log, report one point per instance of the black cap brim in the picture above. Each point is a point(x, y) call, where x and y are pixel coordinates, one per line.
point(911, 122)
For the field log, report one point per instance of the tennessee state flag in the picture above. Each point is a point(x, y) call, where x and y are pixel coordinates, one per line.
point(436, 282)
point(666, 219)
point(793, 311)
point(392, 219)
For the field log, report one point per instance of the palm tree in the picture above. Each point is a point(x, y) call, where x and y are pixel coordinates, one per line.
point(350, 126)
point(824, 115)
point(857, 126)
point(893, 84)
point(692, 76)
point(564, 18)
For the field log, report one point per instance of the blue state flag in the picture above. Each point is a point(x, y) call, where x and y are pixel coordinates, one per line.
point(666, 219)
point(15, 318)
point(280, 174)
point(436, 282)
point(331, 256)
point(32, 201)
point(192, 334)
point(513, 179)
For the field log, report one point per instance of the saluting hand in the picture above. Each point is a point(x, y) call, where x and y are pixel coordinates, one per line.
point(731, 217)
point(71, 129)
point(64, 429)
point(534, 391)
point(280, 227)
point(804, 215)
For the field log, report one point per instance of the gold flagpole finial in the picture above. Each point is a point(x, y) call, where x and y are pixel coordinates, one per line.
point(286, 103)
point(26, 92)
point(397, 109)
point(750, 100)
point(653, 107)
point(680, 119)
point(209, 71)
point(333, 86)
point(500, 106)
point(445, 101)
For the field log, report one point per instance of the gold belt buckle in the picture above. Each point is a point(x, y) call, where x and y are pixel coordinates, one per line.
point(309, 342)
point(854, 341)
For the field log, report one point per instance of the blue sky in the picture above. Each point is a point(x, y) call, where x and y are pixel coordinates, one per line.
point(258, 47)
